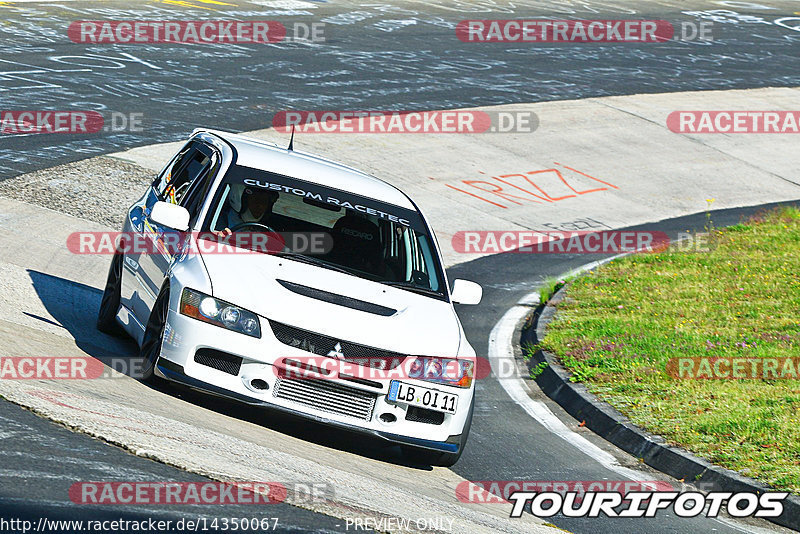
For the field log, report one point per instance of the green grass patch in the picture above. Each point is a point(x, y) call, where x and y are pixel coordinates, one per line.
point(621, 323)
point(551, 285)
point(538, 370)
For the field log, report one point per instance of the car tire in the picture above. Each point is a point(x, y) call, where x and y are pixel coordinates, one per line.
point(154, 336)
point(441, 459)
point(109, 304)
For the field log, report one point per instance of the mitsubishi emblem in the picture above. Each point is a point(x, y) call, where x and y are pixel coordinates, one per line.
point(337, 352)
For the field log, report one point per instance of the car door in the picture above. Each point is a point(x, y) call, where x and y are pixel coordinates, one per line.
point(179, 184)
point(131, 287)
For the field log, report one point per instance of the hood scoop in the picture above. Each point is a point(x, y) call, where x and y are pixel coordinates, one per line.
point(339, 300)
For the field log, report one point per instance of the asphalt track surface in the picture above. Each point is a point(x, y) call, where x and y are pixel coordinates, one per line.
point(374, 59)
point(377, 56)
point(41, 460)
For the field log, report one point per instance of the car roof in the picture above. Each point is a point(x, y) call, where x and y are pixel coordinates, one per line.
point(264, 155)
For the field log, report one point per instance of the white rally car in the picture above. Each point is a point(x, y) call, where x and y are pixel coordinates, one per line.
point(231, 323)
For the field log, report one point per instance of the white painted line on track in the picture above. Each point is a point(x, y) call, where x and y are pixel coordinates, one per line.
point(501, 357)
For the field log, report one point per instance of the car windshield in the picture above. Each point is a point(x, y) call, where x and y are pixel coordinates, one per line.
point(358, 235)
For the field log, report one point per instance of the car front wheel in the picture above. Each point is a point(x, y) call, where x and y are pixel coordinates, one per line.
point(154, 336)
point(109, 305)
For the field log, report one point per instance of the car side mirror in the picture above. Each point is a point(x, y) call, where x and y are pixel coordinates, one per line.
point(466, 292)
point(170, 215)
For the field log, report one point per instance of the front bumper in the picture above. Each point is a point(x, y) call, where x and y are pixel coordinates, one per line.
point(175, 373)
point(185, 336)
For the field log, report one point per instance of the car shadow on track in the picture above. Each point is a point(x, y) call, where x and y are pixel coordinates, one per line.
point(73, 306)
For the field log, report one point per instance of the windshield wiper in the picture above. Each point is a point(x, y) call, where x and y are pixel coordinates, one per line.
point(313, 261)
point(412, 287)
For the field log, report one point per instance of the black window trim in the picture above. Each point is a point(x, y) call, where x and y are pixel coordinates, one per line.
point(201, 146)
point(204, 180)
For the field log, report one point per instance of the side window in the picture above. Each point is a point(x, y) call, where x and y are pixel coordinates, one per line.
point(427, 267)
point(193, 200)
point(164, 178)
point(177, 178)
point(415, 267)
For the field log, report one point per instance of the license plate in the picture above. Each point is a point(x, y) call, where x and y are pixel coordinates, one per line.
point(423, 397)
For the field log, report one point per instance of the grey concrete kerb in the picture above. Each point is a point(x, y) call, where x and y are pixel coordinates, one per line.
point(605, 421)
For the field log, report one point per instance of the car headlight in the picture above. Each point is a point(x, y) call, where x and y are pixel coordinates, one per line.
point(219, 313)
point(448, 371)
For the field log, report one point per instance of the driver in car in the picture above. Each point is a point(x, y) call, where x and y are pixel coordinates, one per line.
point(256, 207)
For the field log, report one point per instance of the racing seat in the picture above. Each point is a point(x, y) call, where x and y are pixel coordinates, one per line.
point(357, 244)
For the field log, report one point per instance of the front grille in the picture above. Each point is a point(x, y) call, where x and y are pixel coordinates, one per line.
point(322, 345)
point(327, 396)
point(221, 361)
point(423, 415)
